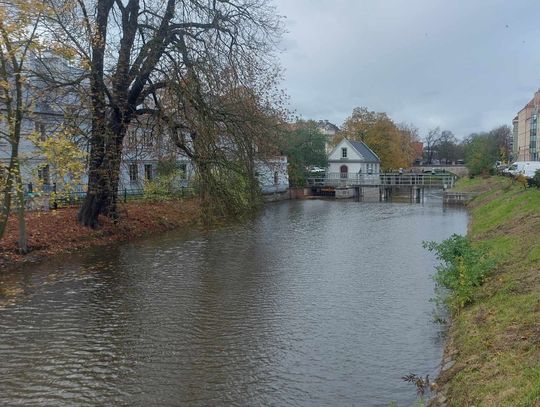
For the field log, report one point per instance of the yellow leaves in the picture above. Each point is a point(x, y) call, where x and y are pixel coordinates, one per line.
point(18, 20)
point(62, 158)
point(86, 64)
point(62, 50)
point(382, 135)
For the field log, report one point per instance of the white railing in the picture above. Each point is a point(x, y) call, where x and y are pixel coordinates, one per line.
point(383, 179)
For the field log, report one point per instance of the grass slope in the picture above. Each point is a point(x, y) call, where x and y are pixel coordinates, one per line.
point(495, 342)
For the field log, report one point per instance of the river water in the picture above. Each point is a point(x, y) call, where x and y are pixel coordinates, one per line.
point(313, 303)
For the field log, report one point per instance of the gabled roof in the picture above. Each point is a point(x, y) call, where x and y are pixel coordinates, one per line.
point(326, 125)
point(362, 149)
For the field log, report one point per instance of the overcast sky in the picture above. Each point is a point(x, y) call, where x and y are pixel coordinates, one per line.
point(463, 65)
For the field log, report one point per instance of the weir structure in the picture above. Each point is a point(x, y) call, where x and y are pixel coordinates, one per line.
point(347, 185)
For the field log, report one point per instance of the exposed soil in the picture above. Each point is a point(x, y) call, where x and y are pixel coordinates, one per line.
point(57, 231)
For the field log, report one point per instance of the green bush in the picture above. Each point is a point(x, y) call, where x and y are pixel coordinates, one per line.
point(164, 186)
point(463, 269)
point(536, 179)
point(226, 192)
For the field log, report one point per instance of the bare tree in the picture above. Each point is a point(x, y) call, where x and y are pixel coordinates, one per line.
point(502, 137)
point(127, 48)
point(19, 21)
point(227, 129)
point(447, 147)
point(432, 141)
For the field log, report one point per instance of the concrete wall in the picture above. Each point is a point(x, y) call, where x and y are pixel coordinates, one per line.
point(344, 193)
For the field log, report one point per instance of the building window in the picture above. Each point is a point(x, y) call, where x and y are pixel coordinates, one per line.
point(344, 152)
point(132, 138)
point(533, 135)
point(133, 173)
point(43, 175)
point(41, 131)
point(148, 172)
point(148, 140)
point(276, 178)
point(344, 171)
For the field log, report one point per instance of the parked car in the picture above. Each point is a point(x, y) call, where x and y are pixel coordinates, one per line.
point(316, 170)
point(526, 168)
point(434, 170)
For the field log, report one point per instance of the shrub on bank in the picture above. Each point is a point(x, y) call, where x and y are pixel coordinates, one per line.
point(536, 179)
point(463, 269)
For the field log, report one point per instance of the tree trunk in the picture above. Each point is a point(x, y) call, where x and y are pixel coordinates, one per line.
point(6, 202)
point(10, 183)
point(23, 246)
point(104, 174)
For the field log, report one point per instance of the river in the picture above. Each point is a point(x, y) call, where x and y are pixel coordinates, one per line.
point(313, 303)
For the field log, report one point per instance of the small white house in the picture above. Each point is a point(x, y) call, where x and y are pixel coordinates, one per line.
point(353, 159)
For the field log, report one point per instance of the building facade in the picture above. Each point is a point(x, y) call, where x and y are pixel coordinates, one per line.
point(273, 175)
point(146, 149)
point(525, 131)
point(353, 159)
point(329, 130)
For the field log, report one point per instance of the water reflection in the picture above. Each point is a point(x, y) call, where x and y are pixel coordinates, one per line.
point(312, 303)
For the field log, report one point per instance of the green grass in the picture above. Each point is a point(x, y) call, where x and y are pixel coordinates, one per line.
point(467, 184)
point(497, 336)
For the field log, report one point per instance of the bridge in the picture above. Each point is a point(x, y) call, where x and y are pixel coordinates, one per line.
point(344, 180)
point(347, 185)
point(459, 170)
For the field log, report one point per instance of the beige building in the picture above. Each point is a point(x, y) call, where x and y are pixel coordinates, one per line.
point(329, 130)
point(525, 131)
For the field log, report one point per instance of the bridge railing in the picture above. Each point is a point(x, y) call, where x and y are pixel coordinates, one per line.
point(383, 179)
point(347, 179)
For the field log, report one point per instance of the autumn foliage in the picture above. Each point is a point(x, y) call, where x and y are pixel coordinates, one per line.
point(393, 143)
point(54, 232)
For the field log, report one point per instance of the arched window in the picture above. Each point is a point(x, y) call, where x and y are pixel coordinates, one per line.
point(276, 178)
point(344, 170)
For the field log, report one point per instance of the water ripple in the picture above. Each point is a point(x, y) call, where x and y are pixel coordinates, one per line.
point(313, 303)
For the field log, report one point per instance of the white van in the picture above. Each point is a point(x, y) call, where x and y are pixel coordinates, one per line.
point(527, 168)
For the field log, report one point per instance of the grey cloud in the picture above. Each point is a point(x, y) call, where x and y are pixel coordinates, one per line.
point(430, 62)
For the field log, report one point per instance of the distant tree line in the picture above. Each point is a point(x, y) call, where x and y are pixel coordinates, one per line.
point(479, 151)
point(398, 144)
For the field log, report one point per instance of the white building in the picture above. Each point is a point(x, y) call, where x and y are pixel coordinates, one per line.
point(273, 176)
point(351, 160)
point(144, 147)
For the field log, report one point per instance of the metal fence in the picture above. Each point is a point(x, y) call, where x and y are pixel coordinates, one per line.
point(51, 197)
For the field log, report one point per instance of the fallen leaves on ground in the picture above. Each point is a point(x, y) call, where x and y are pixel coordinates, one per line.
point(58, 231)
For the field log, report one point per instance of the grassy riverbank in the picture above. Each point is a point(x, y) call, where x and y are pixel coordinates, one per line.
point(55, 232)
point(494, 343)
